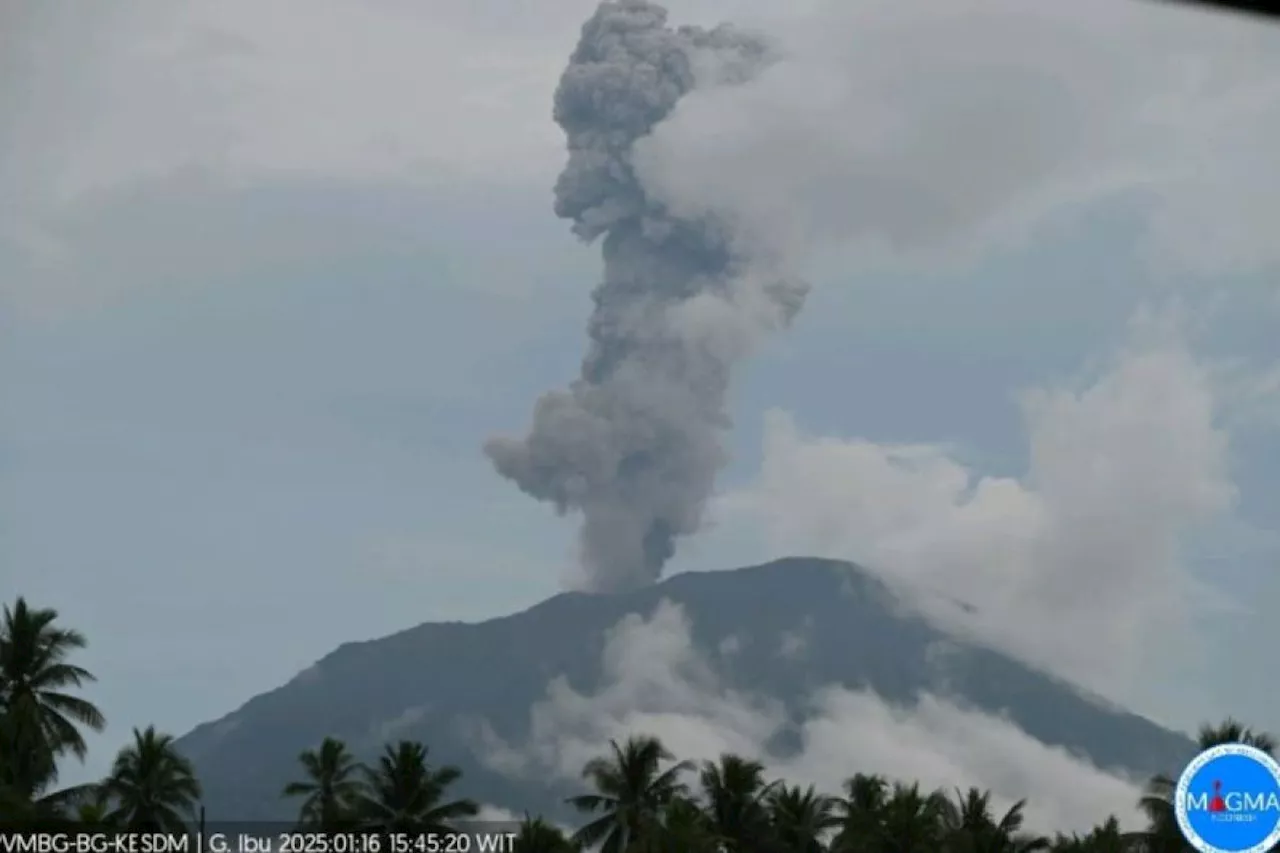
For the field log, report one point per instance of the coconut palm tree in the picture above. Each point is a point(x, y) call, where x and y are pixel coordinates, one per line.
point(682, 826)
point(631, 789)
point(152, 787)
point(538, 836)
point(800, 818)
point(94, 811)
point(332, 786)
point(39, 718)
point(968, 826)
point(735, 790)
point(860, 811)
point(1233, 731)
point(1107, 838)
point(910, 821)
point(404, 792)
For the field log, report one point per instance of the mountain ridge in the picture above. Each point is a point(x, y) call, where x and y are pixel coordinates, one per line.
point(431, 681)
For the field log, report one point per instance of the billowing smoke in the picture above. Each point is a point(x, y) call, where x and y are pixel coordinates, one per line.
point(635, 443)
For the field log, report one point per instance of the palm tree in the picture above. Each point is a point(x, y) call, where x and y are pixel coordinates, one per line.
point(1106, 838)
point(860, 813)
point(404, 792)
point(332, 787)
point(93, 811)
point(1162, 834)
point(151, 787)
point(911, 820)
point(683, 826)
point(18, 810)
point(1233, 731)
point(538, 836)
point(968, 826)
point(800, 818)
point(632, 788)
point(735, 790)
point(38, 717)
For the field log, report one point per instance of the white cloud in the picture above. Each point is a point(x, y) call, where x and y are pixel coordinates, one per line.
point(496, 819)
point(393, 728)
point(383, 96)
point(370, 91)
point(914, 128)
point(497, 814)
point(366, 91)
point(888, 119)
point(794, 644)
point(140, 132)
point(1076, 565)
point(656, 682)
point(865, 135)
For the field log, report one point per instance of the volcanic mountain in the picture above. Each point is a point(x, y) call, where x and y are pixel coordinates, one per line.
point(448, 683)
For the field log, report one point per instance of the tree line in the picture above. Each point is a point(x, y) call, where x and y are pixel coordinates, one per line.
point(638, 798)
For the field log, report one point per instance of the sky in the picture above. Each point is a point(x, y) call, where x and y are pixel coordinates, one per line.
point(268, 281)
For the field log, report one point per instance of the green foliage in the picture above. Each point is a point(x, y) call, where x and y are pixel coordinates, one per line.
point(538, 836)
point(332, 788)
point(639, 798)
point(405, 792)
point(39, 717)
point(632, 787)
point(151, 787)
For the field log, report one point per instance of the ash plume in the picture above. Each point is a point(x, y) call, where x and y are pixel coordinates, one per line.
point(635, 442)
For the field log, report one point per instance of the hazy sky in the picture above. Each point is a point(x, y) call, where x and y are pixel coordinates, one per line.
point(269, 278)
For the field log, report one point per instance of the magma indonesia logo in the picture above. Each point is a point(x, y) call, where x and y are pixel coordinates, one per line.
point(1228, 800)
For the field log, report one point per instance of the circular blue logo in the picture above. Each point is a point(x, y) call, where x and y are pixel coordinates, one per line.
point(1228, 800)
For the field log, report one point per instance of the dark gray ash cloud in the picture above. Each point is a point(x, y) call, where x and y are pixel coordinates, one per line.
point(635, 442)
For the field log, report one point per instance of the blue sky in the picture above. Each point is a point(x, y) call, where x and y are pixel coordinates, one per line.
point(258, 319)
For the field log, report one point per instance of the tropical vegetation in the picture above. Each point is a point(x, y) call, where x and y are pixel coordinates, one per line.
point(637, 797)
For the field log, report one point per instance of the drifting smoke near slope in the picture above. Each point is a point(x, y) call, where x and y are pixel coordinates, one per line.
point(635, 443)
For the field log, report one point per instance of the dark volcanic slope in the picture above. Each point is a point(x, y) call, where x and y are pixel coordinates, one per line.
point(423, 681)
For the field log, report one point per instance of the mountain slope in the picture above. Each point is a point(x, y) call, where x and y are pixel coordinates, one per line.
point(435, 681)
